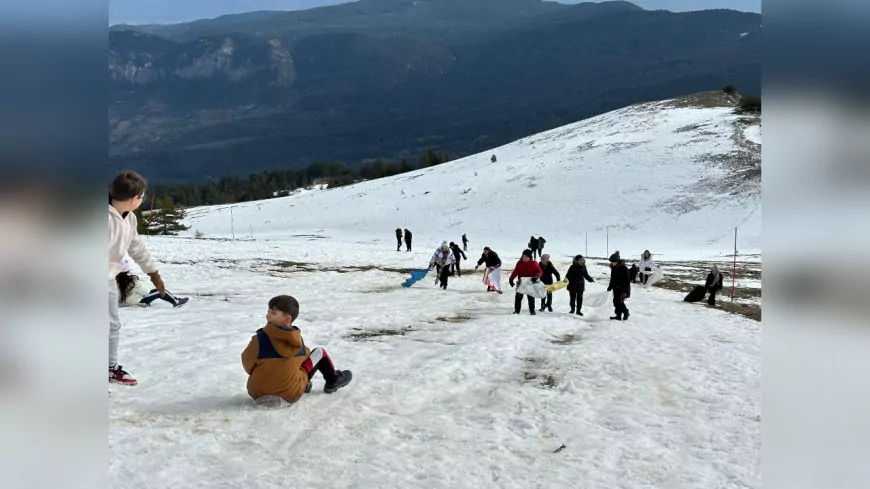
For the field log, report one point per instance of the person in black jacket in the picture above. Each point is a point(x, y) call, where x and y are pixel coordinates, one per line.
point(492, 261)
point(714, 284)
point(458, 256)
point(547, 278)
point(533, 246)
point(577, 276)
point(465, 243)
point(399, 239)
point(407, 240)
point(620, 284)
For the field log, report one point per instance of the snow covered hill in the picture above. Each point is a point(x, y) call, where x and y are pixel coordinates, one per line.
point(450, 389)
point(672, 177)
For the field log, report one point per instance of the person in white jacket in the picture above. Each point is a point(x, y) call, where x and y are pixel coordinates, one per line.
point(442, 259)
point(646, 266)
point(126, 194)
point(132, 292)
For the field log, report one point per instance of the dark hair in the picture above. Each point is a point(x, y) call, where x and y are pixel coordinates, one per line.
point(126, 283)
point(127, 185)
point(578, 257)
point(486, 248)
point(286, 304)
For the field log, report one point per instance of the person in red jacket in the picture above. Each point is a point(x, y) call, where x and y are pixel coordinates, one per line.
point(526, 268)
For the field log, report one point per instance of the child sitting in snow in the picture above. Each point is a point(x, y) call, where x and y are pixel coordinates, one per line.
point(278, 362)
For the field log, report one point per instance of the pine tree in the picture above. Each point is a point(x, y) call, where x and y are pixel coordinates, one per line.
point(166, 218)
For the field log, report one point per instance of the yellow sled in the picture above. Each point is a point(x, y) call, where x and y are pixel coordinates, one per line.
point(558, 285)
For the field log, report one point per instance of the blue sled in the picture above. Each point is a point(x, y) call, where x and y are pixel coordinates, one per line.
point(416, 276)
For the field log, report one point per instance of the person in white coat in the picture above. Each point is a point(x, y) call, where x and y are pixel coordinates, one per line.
point(132, 292)
point(646, 266)
point(442, 260)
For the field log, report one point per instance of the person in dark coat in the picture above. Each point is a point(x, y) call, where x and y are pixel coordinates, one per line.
point(458, 256)
point(620, 284)
point(533, 247)
point(408, 237)
point(541, 242)
point(577, 276)
point(525, 268)
point(632, 272)
point(548, 270)
point(713, 285)
point(399, 239)
point(465, 243)
point(493, 262)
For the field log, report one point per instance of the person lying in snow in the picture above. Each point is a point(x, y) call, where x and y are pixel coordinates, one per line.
point(577, 276)
point(279, 364)
point(526, 268)
point(131, 291)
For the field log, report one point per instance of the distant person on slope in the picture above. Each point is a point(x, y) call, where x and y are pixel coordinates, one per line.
point(620, 284)
point(713, 285)
point(408, 237)
point(526, 267)
point(279, 364)
point(398, 239)
point(548, 270)
point(492, 275)
point(533, 247)
point(541, 242)
point(131, 291)
point(465, 243)
point(646, 266)
point(442, 260)
point(577, 276)
point(458, 256)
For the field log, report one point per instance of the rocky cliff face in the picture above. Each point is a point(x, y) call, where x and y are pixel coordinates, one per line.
point(233, 58)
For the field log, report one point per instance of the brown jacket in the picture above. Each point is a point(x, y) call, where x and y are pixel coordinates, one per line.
point(273, 361)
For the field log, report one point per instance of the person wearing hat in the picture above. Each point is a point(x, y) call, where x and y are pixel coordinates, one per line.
point(548, 270)
point(442, 260)
point(526, 268)
point(620, 284)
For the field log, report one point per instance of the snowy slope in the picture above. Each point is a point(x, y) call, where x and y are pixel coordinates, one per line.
point(655, 176)
point(450, 390)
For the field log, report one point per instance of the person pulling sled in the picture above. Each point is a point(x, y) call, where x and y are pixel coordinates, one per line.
point(492, 274)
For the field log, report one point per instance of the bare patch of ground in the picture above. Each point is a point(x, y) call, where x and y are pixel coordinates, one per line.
point(364, 334)
point(544, 380)
point(454, 319)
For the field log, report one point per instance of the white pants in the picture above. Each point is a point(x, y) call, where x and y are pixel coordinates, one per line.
point(114, 323)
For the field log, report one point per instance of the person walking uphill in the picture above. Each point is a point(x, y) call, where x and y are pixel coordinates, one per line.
point(442, 259)
point(465, 243)
point(398, 239)
point(279, 364)
point(548, 270)
point(620, 284)
point(125, 196)
point(526, 268)
point(492, 275)
point(408, 237)
point(577, 276)
point(458, 256)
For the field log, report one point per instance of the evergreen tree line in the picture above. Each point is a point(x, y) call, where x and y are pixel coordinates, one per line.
point(279, 183)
